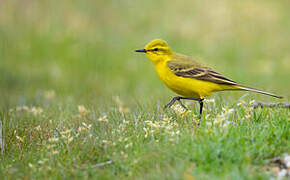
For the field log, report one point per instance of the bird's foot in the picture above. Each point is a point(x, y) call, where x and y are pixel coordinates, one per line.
point(173, 101)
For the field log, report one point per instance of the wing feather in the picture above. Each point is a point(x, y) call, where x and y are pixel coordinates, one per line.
point(190, 69)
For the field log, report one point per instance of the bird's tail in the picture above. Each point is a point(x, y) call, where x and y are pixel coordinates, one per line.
point(240, 87)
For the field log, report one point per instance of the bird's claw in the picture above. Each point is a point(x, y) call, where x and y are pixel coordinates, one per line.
point(173, 101)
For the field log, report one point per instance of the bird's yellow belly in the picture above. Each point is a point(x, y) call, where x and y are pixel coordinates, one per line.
point(187, 87)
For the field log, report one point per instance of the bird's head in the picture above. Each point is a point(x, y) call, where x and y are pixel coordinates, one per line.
point(157, 51)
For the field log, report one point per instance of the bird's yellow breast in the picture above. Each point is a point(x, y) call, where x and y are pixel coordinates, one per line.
point(187, 87)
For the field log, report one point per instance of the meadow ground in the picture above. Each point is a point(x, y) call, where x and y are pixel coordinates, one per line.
point(77, 102)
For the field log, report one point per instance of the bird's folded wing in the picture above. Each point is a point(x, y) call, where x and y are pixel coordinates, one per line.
point(189, 70)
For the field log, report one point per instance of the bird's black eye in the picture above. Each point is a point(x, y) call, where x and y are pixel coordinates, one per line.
point(155, 49)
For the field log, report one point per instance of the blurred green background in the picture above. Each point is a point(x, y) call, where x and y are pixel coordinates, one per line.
point(84, 50)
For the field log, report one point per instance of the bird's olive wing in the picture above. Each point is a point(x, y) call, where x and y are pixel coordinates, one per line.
point(200, 73)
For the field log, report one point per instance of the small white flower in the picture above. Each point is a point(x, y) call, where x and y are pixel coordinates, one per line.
point(31, 165)
point(226, 123)
point(19, 138)
point(146, 132)
point(22, 108)
point(82, 109)
point(106, 142)
point(281, 174)
point(36, 110)
point(40, 162)
point(252, 102)
point(242, 103)
point(69, 140)
point(103, 118)
point(178, 109)
point(53, 140)
point(38, 128)
point(65, 132)
point(230, 111)
point(248, 116)
point(287, 160)
point(80, 129)
point(128, 145)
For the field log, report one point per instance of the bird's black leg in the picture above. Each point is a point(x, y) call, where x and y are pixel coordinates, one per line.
point(200, 109)
point(200, 103)
point(178, 98)
point(170, 103)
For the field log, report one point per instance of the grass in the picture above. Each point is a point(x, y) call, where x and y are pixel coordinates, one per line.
point(74, 95)
point(69, 141)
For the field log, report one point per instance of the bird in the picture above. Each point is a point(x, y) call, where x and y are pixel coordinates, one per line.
point(188, 78)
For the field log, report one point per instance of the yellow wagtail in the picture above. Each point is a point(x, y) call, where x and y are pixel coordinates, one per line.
point(187, 77)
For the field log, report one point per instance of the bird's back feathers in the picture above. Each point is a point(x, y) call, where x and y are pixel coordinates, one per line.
point(186, 67)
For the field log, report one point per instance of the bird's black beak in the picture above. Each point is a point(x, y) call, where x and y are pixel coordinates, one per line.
point(141, 50)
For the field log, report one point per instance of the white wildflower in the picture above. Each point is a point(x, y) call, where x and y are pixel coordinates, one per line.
point(242, 103)
point(226, 124)
point(151, 124)
point(252, 102)
point(36, 110)
point(178, 109)
point(65, 132)
point(128, 145)
point(22, 108)
point(51, 140)
point(80, 129)
point(19, 138)
point(38, 128)
point(120, 103)
point(106, 142)
point(146, 132)
point(82, 109)
point(230, 111)
point(103, 118)
point(248, 116)
point(31, 165)
point(286, 160)
point(281, 174)
point(70, 139)
point(40, 162)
